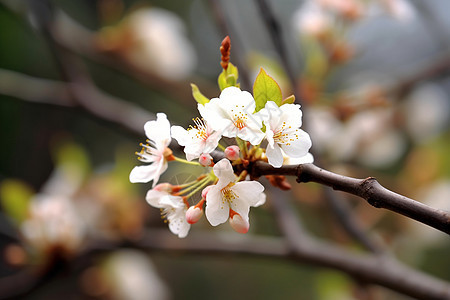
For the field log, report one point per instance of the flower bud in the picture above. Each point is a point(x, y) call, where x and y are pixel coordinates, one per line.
point(232, 152)
point(238, 223)
point(205, 160)
point(193, 214)
point(206, 190)
point(164, 187)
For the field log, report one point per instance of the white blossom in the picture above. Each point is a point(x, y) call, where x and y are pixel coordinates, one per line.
point(198, 139)
point(228, 195)
point(283, 132)
point(154, 152)
point(233, 114)
point(173, 209)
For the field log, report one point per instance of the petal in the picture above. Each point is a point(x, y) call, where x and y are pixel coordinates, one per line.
point(248, 191)
point(251, 135)
point(179, 226)
point(224, 172)
point(291, 114)
point(274, 155)
point(190, 157)
point(217, 210)
point(307, 159)
point(269, 134)
point(162, 167)
point(143, 174)
point(154, 197)
point(261, 200)
point(300, 146)
point(271, 113)
point(213, 114)
point(212, 142)
point(180, 134)
point(159, 130)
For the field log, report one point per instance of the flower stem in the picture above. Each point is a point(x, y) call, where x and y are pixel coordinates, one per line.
point(182, 160)
point(194, 186)
point(221, 147)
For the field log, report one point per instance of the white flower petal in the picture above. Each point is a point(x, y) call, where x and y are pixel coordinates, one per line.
point(159, 130)
point(307, 159)
point(261, 200)
point(154, 197)
point(217, 210)
point(291, 113)
point(180, 134)
point(224, 171)
point(298, 147)
point(274, 156)
point(143, 174)
point(248, 191)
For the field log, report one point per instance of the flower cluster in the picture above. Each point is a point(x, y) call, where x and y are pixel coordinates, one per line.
point(263, 126)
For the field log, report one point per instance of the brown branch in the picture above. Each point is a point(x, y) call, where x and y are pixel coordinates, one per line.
point(299, 247)
point(377, 269)
point(89, 97)
point(369, 189)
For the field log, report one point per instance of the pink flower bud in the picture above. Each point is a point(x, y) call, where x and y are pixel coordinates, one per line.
point(206, 190)
point(232, 152)
point(164, 187)
point(193, 214)
point(238, 223)
point(205, 160)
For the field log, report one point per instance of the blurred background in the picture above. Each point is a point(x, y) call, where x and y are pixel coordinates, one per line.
point(78, 80)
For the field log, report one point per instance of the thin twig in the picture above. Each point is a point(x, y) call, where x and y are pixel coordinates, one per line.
point(369, 189)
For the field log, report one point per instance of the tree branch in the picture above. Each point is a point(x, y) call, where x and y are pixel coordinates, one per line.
point(369, 189)
point(376, 269)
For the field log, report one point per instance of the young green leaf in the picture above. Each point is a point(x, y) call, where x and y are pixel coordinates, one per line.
point(266, 89)
point(198, 96)
point(228, 77)
point(288, 100)
point(15, 198)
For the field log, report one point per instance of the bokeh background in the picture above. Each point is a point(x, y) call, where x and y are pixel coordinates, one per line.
point(78, 79)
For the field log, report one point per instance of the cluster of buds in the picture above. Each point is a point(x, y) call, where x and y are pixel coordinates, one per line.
point(264, 128)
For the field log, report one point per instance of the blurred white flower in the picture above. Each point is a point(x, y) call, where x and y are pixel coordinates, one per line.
point(350, 9)
point(133, 276)
point(310, 19)
point(158, 43)
point(53, 223)
point(155, 152)
point(427, 112)
point(402, 10)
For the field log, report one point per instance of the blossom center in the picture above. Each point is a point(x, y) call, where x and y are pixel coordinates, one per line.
point(228, 194)
point(165, 212)
point(239, 118)
point(284, 136)
point(200, 128)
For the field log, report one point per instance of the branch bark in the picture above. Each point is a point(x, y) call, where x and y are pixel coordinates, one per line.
point(369, 189)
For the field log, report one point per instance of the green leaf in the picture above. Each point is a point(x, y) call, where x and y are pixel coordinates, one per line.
point(228, 77)
point(72, 161)
point(266, 89)
point(198, 96)
point(15, 198)
point(289, 100)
